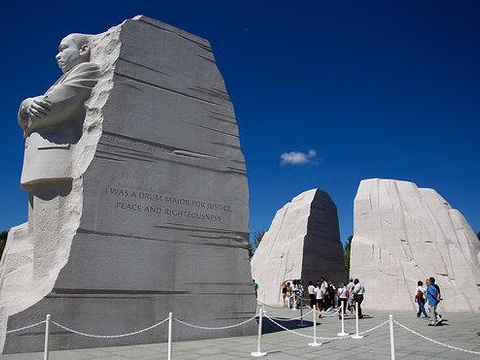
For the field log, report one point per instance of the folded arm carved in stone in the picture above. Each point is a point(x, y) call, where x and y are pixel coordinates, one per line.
point(64, 101)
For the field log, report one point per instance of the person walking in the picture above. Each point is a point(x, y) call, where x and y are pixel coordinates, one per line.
point(342, 294)
point(420, 299)
point(433, 297)
point(358, 293)
point(432, 281)
point(332, 292)
point(311, 293)
point(350, 303)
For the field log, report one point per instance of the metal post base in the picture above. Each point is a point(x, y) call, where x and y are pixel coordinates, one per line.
point(343, 334)
point(358, 337)
point(314, 344)
point(258, 354)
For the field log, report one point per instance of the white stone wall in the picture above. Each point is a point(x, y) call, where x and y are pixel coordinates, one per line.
point(403, 234)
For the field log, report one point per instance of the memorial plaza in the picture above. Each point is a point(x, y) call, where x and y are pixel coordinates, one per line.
point(459, 330)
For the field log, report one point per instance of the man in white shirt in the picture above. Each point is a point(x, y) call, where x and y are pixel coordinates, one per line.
point(358, 292)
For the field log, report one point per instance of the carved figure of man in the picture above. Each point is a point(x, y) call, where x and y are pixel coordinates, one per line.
point(52, 123)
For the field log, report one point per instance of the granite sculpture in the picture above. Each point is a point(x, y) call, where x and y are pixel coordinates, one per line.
point(403, 234)
point(303, 242)
point(138, 196)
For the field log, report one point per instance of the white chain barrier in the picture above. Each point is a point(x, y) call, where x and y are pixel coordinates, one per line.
point(290, 319)
point(435, 341)
point(25, 327)
point(324, 338)
point(259, 303)
point(259, 352)
point(109, 336)
point(215, 328)
point(374, 328)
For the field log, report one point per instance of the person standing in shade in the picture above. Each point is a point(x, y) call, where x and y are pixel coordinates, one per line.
point(288, 296)
point(342, 294)
point(311, 294)
point(318, 298)
point(350, 302)
point(420, 299)
point(433, 297)
point(324, 291)
point(255, 288)
point(284, 293)
point(300, 293)
point(478, 284)
point(358, 293)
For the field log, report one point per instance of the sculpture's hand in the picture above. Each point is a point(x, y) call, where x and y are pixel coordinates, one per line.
point(39, 107)
point(24, 113)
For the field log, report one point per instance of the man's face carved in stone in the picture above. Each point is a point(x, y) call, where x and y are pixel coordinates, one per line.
point(71, 54)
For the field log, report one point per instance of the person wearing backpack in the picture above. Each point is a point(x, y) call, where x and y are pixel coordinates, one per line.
point(420, 299)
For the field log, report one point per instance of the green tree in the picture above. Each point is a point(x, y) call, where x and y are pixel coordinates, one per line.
point(255, 241)
point(346, 256)
point(3, 240)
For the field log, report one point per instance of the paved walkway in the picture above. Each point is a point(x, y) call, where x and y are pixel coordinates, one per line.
point(458, 330)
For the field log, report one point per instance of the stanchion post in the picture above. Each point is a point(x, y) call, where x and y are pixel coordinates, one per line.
point(259, 352)
point(357, 335)
point(169, 347)
point(343, 333)
point(47, 335)
point(392, 340)
point(314, 319)
point(302, 324)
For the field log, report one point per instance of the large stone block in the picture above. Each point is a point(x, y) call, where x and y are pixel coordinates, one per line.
point(303, 242)
point(404, 234)
point(149, 211)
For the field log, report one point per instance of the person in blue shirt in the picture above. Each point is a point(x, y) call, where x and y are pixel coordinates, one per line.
point(433, 298)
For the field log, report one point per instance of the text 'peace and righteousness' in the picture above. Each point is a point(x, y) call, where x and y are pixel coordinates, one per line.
point(150, 203)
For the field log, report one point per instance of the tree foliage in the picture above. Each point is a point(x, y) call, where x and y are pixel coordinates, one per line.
point(3, 241)
point(255, 241)
point(346, 256)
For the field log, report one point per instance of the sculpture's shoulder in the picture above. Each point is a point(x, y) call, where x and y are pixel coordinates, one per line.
point(85, 70)
point(81, 77)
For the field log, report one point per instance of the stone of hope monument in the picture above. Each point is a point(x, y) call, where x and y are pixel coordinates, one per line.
point(138, 197)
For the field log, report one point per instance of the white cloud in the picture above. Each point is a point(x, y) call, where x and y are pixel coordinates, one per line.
point(297, 157)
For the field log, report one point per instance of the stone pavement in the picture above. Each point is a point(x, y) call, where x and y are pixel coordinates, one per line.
point(459, 330)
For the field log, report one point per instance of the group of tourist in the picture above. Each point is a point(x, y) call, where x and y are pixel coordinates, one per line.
point(428, 293)
point(324, 295)
point(292, 294)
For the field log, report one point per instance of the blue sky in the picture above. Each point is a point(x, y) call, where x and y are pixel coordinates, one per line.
point(376, 88)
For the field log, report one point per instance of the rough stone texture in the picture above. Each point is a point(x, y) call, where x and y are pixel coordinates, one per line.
point(156, 216)
point(303, 242)
point(404, 234)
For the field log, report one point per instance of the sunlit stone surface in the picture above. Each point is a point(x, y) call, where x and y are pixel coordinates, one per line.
point(148, 210)
point(404, 234)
